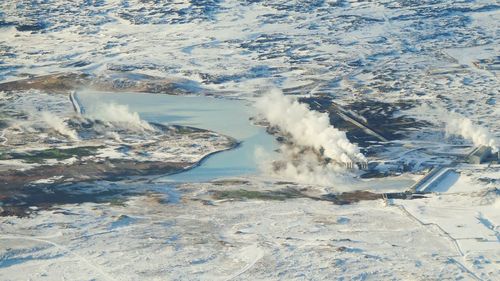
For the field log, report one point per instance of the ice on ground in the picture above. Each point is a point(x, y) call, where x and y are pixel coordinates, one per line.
point(274, 240)
point(470, 221)
point(439, 53)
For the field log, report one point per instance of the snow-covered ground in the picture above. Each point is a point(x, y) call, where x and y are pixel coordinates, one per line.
point(437, 56)
point(387, 50)
point(442, 237)
point(122, 131)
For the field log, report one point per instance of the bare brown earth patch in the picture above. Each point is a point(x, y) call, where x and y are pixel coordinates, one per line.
point(65, 82)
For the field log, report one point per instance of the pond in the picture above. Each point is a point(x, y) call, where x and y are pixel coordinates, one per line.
point(225, 116)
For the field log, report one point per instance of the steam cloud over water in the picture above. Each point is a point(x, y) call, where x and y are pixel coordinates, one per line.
point(316, 150)
point(119, 115)
point(457, 124)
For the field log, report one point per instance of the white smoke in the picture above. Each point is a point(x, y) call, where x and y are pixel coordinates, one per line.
point(57, 123)
point(302, 167)
point(457, 124)
point(308, 128)
point(317, 152)
point(118, 115)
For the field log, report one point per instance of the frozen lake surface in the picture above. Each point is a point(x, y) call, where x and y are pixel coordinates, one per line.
point(228, 117)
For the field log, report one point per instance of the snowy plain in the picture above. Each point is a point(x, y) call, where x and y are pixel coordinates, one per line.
point(436, 55)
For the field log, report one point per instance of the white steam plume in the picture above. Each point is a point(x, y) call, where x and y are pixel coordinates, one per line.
point(302, 167)
point(457, 124)
point(316, 152)
point(58, 125)
point(119, 115)
point(308, 128)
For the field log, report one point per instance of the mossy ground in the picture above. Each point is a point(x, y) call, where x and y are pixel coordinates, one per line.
point(242, 194)
point(39, 156)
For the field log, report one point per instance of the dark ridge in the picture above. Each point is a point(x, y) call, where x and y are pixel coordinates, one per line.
point(36, 26)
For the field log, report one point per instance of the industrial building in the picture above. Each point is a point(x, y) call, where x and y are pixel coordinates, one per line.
point(481, 154)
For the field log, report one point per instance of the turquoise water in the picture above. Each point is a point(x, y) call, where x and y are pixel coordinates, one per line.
point(228, 117)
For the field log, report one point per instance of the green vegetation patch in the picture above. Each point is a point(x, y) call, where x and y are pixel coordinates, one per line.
point(3, 123)
point(242, 194)
point(230, 182)
point(183, 130)
point(39, 156)
point(4, 120)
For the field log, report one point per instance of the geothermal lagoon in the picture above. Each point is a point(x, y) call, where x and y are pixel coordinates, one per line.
point(230, 117)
